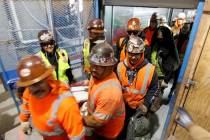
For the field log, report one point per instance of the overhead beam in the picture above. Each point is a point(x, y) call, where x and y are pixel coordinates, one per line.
point(154, 3)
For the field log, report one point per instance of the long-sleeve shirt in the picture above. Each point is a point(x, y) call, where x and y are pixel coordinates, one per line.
point(55, 116)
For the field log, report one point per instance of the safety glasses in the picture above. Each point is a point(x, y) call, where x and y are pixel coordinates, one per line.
point(45, 45)
point(132, 32)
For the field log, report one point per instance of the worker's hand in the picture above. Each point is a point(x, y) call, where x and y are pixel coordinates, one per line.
point(26, 127)
point(83, 109)
point(143, 109)
point(184, 119)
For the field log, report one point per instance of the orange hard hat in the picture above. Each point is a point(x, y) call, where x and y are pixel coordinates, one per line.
point(31, 70)
point(133, 24)
point(96, 25)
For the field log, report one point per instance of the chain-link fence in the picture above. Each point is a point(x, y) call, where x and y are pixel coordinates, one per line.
point(21, 20)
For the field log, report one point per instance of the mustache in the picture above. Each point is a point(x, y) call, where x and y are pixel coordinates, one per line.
point(38, 91)
point(94, 72)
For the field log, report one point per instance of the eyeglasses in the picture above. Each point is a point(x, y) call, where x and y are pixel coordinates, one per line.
point(133, 32)
point(135, 54)
point(47, 44)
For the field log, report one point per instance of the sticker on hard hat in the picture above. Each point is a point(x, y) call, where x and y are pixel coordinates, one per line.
point(25, 72)
point(100, 59)
point(46, 37)
point(130, 48)
point(134, 23)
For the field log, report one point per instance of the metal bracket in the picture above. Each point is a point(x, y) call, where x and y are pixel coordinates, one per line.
point(189, 83)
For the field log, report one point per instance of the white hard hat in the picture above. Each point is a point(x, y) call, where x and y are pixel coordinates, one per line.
point(181, 15)
point(135, 45)
point(163, 19)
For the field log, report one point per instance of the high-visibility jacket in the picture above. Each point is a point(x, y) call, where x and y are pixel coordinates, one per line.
point(149, 33)
point(122, 45)
point(86, 53)
point(63, 64)
point(105, 103)
point(56, 116)
point(135, 92)
point(154, 61)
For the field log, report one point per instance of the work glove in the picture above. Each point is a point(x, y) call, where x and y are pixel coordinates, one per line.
point(155, 104)
point(184, 119)
point(143, 109)
point(26, 127)
point(84, 109)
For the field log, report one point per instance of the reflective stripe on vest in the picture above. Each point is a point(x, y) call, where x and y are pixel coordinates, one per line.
point(92, 101)
point(101, 116)
point(80, 136)
point(57, 129)
point(62, 64)
point(24, 112)
point(25, 103)
point(86, 52)
point(144, 85)
point(118, 70)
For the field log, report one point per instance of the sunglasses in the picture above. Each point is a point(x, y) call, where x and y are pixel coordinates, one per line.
point(47, 44)
point(133, 32)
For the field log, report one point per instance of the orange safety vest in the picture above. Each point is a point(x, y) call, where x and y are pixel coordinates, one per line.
point(122, 45)
point(55, 116)
point(106, 103)
point(149, 33)
point(135, 92)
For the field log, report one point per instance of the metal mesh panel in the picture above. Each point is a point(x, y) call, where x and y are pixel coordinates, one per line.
point(21, 20)
point(88, 14)
point(25, 19)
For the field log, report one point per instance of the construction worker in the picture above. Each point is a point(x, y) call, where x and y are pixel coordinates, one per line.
point(149, 31)
point(139, 81)
point(54, 56)
point(96, 35)
point(196, 132)
point(153, 24)
point(163, 22)
point(179, 23)
point(133, 28)
point(165, 56)
point(55, 113)
point(106, 110)
point(119, 33)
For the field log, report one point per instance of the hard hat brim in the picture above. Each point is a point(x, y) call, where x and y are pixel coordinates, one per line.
point(31, 82)
point(133, 52)
point(97, 31)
